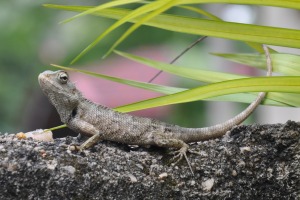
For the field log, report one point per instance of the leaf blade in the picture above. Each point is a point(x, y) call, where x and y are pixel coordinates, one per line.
point(267, 84)
point(287, 64)
point(228, 30)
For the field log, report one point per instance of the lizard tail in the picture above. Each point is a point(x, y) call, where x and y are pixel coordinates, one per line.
point(200, 134)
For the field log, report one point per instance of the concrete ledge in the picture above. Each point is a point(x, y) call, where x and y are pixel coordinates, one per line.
point(261, 162)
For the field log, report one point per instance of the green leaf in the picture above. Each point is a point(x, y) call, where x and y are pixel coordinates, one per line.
point(195, 26)
point(101, 7)
point(290, 99)
point(56, 128)
point(191, 73)
point(272, 99)
point(268, 84)
point(201, 12)
point(129, 16)
point(256, 46)
point(287, 64)
point(295, 4)
point(167, 4)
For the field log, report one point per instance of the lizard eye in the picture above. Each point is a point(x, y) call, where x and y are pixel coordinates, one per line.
point(63, 77)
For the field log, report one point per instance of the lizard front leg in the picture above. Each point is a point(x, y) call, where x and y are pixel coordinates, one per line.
point(90, 142)
point(182, 147)
point(86, 129)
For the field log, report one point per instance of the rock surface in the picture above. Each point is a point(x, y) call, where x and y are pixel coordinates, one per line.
point(250, 162)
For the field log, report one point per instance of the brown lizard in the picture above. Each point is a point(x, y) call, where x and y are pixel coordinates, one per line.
point(102, 123)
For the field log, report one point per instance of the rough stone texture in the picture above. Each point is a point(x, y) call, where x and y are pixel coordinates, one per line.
point(252, 162)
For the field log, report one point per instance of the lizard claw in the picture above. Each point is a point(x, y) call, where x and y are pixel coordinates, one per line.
point(179, 154)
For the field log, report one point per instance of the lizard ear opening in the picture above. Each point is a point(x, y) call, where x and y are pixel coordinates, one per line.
point(63, 77)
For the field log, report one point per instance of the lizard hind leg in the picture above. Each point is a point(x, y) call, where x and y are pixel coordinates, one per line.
point(174, 143)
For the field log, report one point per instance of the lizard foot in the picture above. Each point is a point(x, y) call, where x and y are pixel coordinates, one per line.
point(87, 144)
point(174, 143)
point(74, 147)
point(179, 154)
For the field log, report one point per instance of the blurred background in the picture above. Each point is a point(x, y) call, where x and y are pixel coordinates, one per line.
point(31, 39)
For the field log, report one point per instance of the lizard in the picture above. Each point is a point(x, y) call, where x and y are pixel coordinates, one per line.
point(102, 123)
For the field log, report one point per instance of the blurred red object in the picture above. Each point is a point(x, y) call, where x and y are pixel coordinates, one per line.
point(114, 94)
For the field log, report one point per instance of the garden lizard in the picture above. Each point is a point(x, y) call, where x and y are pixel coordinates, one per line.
point(102, 123)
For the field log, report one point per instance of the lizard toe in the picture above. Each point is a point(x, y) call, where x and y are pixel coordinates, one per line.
point(195, 152)
point(179, 154)
point(177, 157)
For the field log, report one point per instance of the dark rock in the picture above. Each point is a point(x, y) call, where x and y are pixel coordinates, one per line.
point(252, 162)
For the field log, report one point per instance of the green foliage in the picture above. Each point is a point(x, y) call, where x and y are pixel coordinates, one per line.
point(287, 64)
point(153, 13)
point(277, 84)
point(189, 25)
point(279, 65)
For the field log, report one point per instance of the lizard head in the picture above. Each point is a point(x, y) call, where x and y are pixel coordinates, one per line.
point(61, 92)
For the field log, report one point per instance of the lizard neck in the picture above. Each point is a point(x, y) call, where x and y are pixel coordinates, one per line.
point(66, 105)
